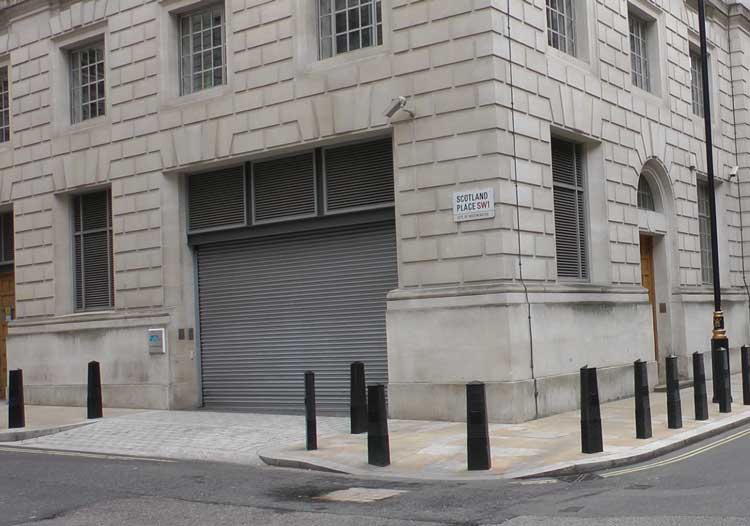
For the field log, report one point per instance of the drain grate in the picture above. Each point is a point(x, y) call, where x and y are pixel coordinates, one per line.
point(360, 495)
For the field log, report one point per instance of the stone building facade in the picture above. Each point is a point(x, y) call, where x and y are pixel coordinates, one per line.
point(496, 94)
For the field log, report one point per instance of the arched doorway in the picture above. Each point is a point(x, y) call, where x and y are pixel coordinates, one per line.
point(657, 253)
point(647, 203)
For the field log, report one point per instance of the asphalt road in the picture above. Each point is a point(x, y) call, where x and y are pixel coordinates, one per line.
point(700, 486)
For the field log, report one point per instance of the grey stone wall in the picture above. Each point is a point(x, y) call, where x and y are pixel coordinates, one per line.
point(488, 94)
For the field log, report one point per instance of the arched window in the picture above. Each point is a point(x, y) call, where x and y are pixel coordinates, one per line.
point(645, 195)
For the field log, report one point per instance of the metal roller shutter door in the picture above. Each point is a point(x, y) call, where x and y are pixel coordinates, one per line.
point(272, 308)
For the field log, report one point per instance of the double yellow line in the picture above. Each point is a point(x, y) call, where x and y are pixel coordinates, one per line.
point(678, 458)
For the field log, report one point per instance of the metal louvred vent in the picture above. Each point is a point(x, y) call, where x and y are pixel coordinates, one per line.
point(566, 163)
point(92, 219)
point(284, 189)
point(6, 238)
point(217, 199)
point(359, 175)
point(570, 219)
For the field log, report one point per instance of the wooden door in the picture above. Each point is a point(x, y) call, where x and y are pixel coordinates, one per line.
point(7, 311)
point(647, 280)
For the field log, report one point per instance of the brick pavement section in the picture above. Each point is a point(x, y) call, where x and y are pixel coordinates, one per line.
point(189, 435)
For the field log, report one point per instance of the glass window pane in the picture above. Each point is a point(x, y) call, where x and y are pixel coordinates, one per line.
point(367, 37)
point(326, 50)
point(353, 18)
point(353, 40)
point(365, 13)
point(341, 44)
point(325, 26)
point(341, 22)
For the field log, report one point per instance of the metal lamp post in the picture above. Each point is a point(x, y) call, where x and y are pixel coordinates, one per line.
point(719, 338)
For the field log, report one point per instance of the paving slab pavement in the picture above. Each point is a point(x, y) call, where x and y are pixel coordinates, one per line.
point(545, 447)
point(188, 435)
point(46, 420)
point(419, 450)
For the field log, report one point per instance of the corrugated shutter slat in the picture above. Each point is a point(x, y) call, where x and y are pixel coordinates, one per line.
point(272, 308)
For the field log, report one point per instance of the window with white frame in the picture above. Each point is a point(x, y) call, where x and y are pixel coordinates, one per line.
point(4, 105)
point(570, 210)
point(639, 64)
point(87, 98)
point(704, 230)
point(92, 236)
point(696, 82)
point(561, 25)
point(347, 25)
point(202, 49)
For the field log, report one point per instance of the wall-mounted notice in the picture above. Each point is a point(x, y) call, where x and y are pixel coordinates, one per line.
point(474, 204)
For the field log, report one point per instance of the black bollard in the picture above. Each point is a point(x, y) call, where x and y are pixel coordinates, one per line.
point(358, 399)
point(725, 382)
point(745, 350)
point(716, 347)
point(477, 428)
point(642, 403)
point(378, 448)
point(591, 421)
point(699, 387)
point(94, 398)
point(311, 423)
point(674, 404)
point(16, 409)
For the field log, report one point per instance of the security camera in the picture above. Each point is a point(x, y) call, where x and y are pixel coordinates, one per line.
point(396, 105)
point(733, 172)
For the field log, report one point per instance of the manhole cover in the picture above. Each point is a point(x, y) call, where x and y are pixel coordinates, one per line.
point(361, 495)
